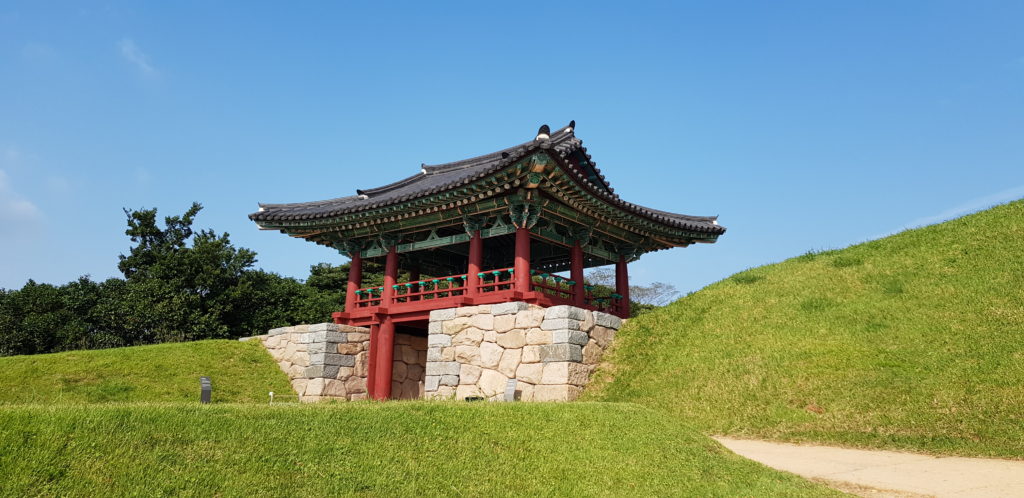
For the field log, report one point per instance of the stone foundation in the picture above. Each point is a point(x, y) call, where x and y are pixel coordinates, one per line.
point(330, 361)
point(469, 352)
point(551, 352)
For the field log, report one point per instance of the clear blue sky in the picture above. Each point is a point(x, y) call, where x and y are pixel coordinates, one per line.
point(804, 125)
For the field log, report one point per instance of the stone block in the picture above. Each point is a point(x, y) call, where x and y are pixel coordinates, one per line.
point(448, 354)
point(445, 392)
point(431, 382)
point(456, 325)
point(441, 315)
point(467, 354)
point(592, 353)
point(323, 327)
point(490, 355)
point(345, 372)
point(335, 388)
point(564, 311)
point(561, 324)
point(468, 337)
point(410, 355)
point(349, 348)
point(299, 386)
point(538, 336)
point(490, 336)
point(356, 337)
point(418, 342)
point(362, 365)
point(299, 358)
point(317, 347)
point(564, 372)
point(439, 340)
point(588, 322)
point(529, 318)
point(434, 354)
point(435, 328)
point(561, 352)
point(410, 390)
point(513, 339)
point(416, 372)
point(510, 362)
point(303, 338)
point(442, 368)
point(492, 383)
point(607, 320)
point(296, 371)
point(279, 331)
point(329, 336)
point(504, 323)
point(508, 308)
point(357, 397)
point(399, 371)
point(466, 311)
point(530, 372)
point(524, 392)
point(421, 357)
point(569, 336)
point(355, 385)
point(321, 371)
point(531, 354)
point(556, 393)
point(449, 380)
point(603, 335)
point(482, 321)
point(469, 374)
point(315, 387)
point(341, 360)
point(465, 391)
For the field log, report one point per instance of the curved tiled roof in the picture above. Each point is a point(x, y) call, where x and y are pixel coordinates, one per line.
point(433, 179)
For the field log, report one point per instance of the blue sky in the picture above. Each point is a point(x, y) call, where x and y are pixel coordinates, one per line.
point(804, 125)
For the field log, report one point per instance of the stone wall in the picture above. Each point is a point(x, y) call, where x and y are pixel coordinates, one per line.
point(330, 361)
point(551, 352)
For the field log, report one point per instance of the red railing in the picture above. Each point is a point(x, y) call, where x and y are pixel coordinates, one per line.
point(495, 280)
point(431, 288)
point(553, 285)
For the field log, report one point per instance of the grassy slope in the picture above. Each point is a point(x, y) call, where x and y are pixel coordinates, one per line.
point(240, 372)
point(400, 448)
point(913, 341)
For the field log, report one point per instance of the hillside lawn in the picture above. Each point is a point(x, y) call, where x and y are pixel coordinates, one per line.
point(914, 341)
point(239, 372)
point(378, 449)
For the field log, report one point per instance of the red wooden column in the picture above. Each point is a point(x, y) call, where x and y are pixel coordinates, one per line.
point(385, 358)
point(371, 367)
point(622, 286)
point(355, 280)
point(476, 260)
point(576, 273)
point(522, 261)
point(383, 350)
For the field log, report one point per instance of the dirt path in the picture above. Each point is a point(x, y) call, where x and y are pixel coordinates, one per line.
point(887, 473)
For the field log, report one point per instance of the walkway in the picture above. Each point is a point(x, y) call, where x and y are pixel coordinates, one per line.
point(887, 473)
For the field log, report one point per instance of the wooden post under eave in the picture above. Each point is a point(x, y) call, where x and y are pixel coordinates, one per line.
point(576, 274)
point(622, 286)
point(355, 280)
point(384, 360)
point(414, 276)
point(522, 261)
point(390, 277)
point(371, 366)
point(476, 258)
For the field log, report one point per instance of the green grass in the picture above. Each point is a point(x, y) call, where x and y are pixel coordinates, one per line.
point(377, 449)
point(239, 371)
point(914, 341)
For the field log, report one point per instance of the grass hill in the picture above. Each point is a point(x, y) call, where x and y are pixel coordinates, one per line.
point(239, 371)
point(392, 449)
point(913, 341)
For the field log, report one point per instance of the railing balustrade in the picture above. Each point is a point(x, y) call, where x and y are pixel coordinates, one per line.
point(429, 289)
point(495, 280)
point(553, 285)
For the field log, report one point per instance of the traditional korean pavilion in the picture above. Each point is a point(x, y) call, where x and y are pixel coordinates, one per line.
point(489, 229)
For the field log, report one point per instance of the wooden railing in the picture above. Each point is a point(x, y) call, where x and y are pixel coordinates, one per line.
point(495, 280)
point(432, 288)
point(553, 285)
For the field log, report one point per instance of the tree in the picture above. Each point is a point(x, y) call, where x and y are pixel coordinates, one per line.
point(641, 297)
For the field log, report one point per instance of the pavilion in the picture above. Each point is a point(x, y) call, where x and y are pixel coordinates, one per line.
point(490, 229)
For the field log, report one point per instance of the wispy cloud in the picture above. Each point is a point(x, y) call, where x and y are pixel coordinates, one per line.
point(1010, 194)
point(133, 54)
point(14, 207)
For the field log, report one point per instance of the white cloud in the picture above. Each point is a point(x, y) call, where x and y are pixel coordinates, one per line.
point(14, 207)
point(978, 204)
point(133, 54)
